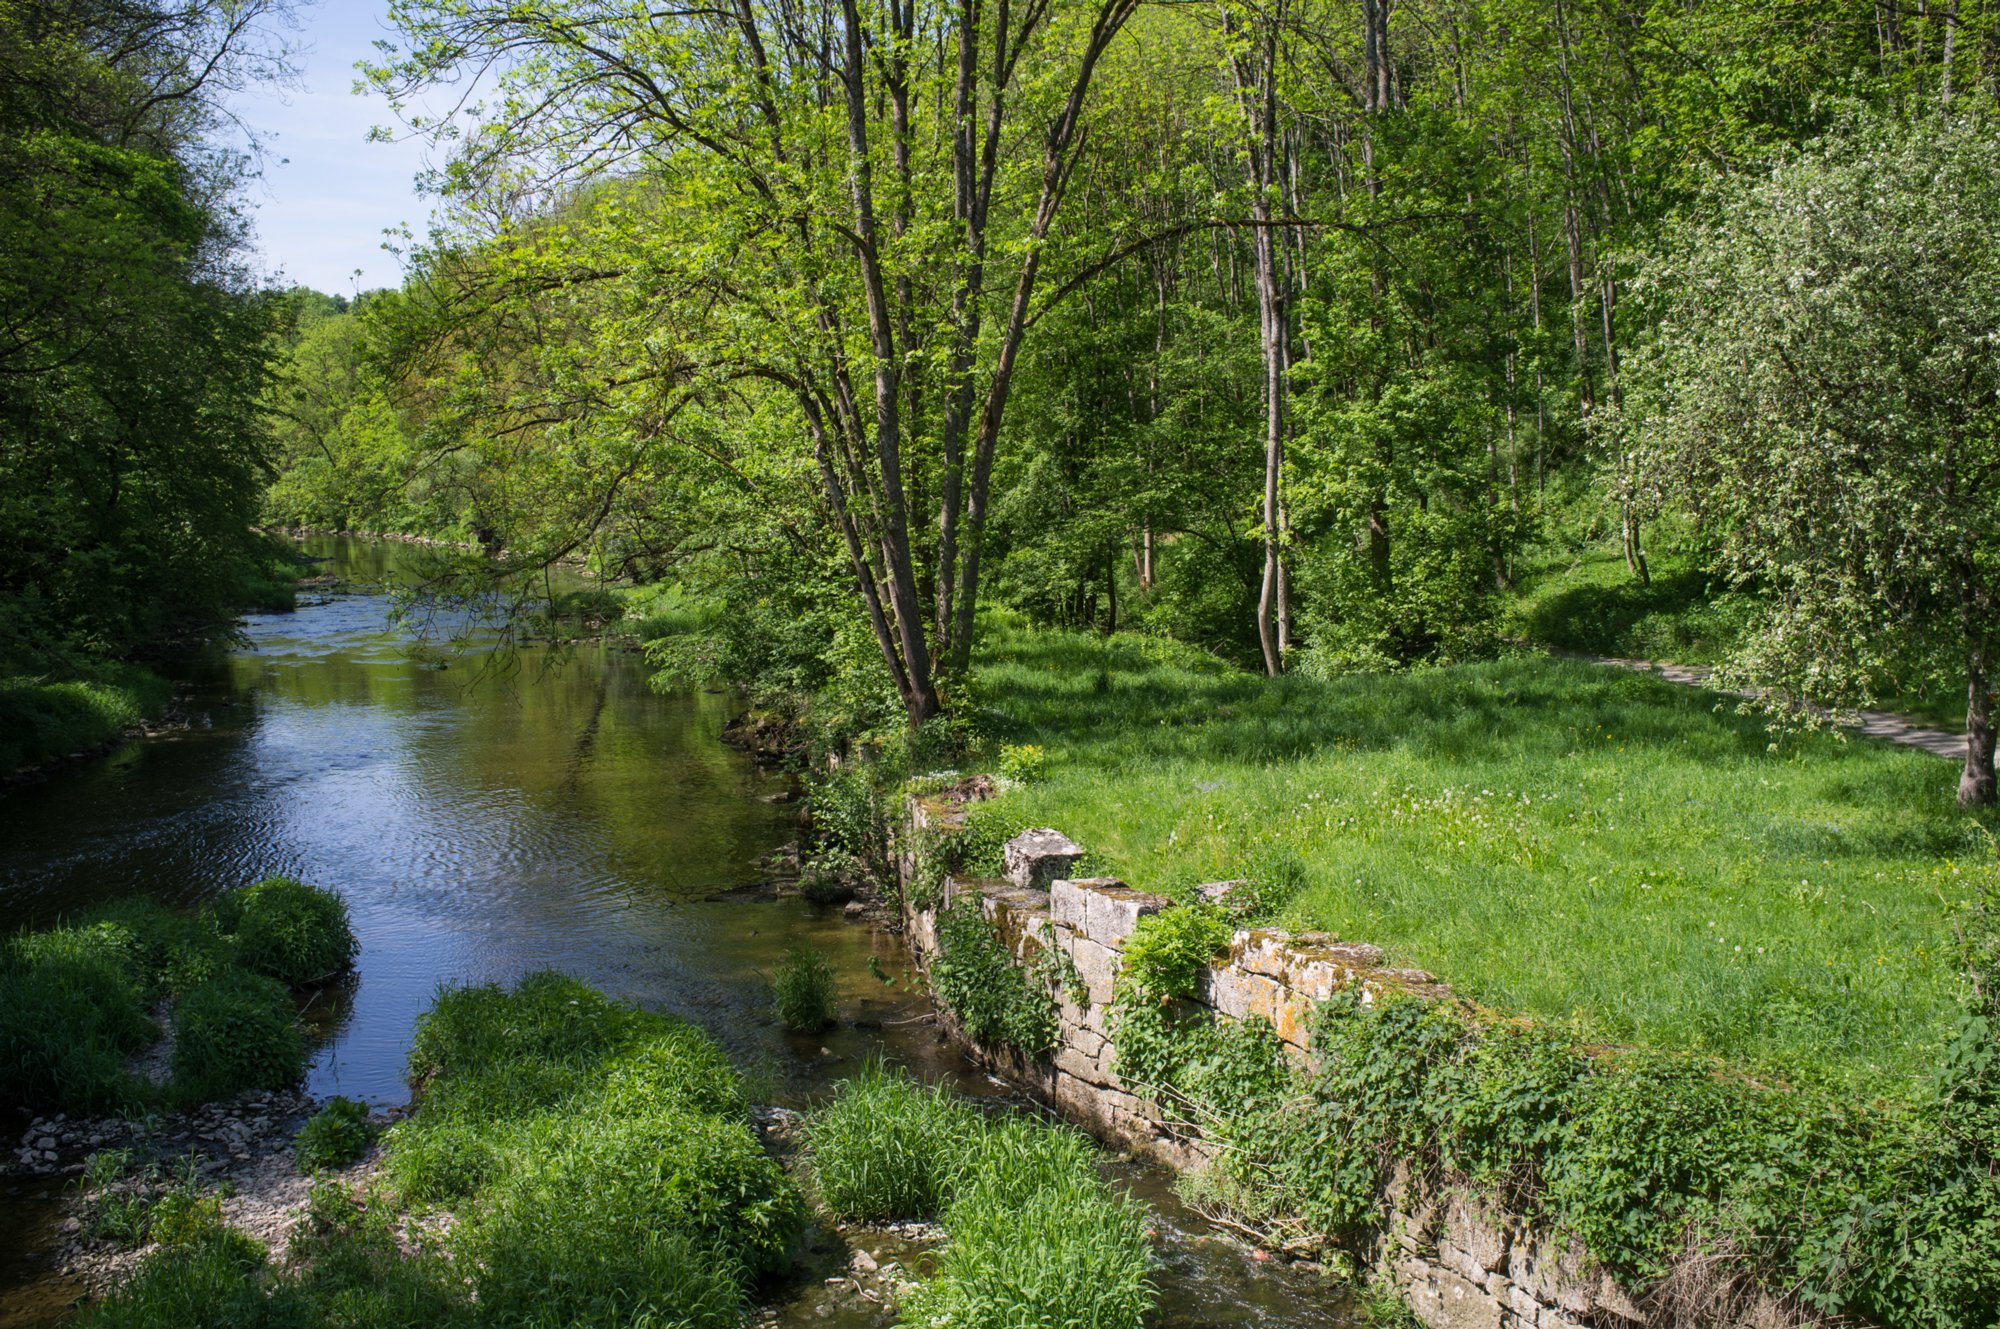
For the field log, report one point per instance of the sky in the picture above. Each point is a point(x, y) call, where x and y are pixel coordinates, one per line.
point(328, 193)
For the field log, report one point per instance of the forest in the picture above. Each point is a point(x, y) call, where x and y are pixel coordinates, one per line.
point(1324, 339)
point(1238, 433)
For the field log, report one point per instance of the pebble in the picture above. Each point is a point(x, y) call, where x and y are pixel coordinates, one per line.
point(863, 1263)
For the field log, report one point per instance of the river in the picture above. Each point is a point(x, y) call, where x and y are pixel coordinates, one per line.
point(503, 813)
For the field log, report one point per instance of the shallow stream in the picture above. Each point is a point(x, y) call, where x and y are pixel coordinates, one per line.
point(486, 818)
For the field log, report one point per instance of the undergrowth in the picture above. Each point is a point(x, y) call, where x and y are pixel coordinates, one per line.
point(600, 1163)
point(77, 1000)
point(1035, 1238)
point(995, 1001)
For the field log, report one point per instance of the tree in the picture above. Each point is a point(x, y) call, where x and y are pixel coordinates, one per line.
point(1825, 390)
point(850, 222)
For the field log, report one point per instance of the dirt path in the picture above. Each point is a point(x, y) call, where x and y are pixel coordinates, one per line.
point(1885, 725)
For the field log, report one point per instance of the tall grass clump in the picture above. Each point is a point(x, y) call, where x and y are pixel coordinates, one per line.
point(234, 1032)
point(886, 1147)
point(803, 991)
point(601, 1158)
point(295, 933)
point(72, 1009)
point(44, 719)
point(1035, 1238)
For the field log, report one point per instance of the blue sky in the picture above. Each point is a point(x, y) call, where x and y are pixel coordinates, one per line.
point(327, 192)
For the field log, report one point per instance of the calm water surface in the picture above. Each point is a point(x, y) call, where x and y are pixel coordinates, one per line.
point(496, 816)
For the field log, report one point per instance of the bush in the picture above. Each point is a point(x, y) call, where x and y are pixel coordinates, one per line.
point(1037, 1240)
point(337, 1135)
point(698, 1207)
point(991, 997)
point(295, 933)
point(803, 992)
point(1024, 762)
point(886, 1147)
point(237, 1031)
point(72, 1010)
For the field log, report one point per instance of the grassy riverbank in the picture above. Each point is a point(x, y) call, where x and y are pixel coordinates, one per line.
point(1554, 839)
point(575, 1162)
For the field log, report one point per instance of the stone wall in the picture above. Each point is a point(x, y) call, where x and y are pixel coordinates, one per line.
point(1460, 1264)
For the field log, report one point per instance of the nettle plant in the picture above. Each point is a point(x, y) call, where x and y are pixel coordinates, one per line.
point(995, 1000)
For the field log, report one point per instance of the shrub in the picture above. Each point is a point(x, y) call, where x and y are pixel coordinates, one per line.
point(886, 1147)
point(991, 997)
point(698, 1206)
point(1025, 762)
point(1037, 1240)
point(803, 991)
point(1168, 952)
point(293, 932)
point(72, 1010)
point(337, 1135)
point(237, 1031)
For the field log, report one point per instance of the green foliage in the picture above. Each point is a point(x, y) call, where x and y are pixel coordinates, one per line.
point(337, 1135)
point(236, 1031)
point(208, 1278)
point(887, 1147)
point(994, 1000)
point(44, 720)
point(803, 992)
point(1034, 1237)
point(1022, 762)
point(551, 1115)
point(293, 932)
point(72, 1009)
point(1169, 951)
point(1036, 1240)
point(1820, 390)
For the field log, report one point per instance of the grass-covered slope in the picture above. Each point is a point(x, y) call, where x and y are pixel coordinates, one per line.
point(1552, 838)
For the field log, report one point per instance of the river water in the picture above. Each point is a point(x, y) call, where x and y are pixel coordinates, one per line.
point(503, 813)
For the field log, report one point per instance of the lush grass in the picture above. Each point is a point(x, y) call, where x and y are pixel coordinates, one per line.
point(884, 1148)
point(1590, 603)
point(600, 1164)
point(45, 718)
point(76, 1001)
point(72, 1010)
point(1035, 1238)
point(1552, 838)
point(802, 991)
point(236, 1031)
point(295, 933)
point(551, 1117)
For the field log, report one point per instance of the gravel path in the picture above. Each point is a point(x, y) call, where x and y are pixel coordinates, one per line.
point(1885, 725)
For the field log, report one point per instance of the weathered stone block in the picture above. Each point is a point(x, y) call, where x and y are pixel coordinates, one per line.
point(1444, 1300)
point(1097, 966)
point(1035, 859)
point(1112, 909)
point(1475, 1232)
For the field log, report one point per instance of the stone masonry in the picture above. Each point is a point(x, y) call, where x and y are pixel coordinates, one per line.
point(1460, 1264)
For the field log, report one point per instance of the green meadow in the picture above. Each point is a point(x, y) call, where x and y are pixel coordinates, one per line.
point(1566, 841)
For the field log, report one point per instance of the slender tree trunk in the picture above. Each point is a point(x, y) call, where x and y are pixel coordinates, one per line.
point(1976, 785)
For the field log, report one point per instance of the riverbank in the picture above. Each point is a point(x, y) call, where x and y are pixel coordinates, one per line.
point(92, 710)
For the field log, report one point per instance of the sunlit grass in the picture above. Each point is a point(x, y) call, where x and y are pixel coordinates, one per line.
point(1551, 838)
